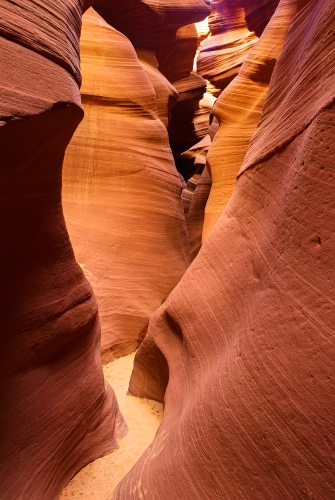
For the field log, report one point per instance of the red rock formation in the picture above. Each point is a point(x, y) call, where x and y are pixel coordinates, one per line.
point(222, 54)
point(238, 110)
point(196, 194)
point(166, 93)
point(176, 60)
point(258, 14)
point(56, 412)
point(196, 212)
point(122, 193)
point(189, 117)
point(246, 340)
point(151, 24)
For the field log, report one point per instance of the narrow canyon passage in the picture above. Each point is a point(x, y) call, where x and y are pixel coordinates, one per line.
point(167, 301)
point(97, 481)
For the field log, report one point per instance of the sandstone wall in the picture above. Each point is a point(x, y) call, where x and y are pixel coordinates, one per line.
point(57, 414)
point(189, 120)
point(222, 54)
point(238, 110)
point(257, 14)
point(242, 351)
point(122, 193)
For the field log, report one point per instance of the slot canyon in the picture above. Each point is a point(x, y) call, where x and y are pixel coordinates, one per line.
point(167, 250)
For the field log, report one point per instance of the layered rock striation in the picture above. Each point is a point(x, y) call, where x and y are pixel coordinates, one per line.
point(222, 54)
point(166, 93)
point(257, 14)
point(238, 110)
point(151, 24)
point(189, 117)
point(196, 196)
point(122, 192)
point(242, 351)
point(57, 413)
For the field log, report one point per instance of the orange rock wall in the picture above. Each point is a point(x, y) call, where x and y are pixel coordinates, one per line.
point(257, 14)
point(196, 213)
point(151, 24)
point(166, 93)
point(243, 349)
point(121, 191)
point(238, 111)
point(189, 118)
point(222, 54)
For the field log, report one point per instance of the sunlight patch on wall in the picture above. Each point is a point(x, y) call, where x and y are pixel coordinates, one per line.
point(202, 27)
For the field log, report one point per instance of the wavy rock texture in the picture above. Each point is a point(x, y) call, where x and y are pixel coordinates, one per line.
point(258, 13)
point(300, 101)
point(166, 93)
point(56, 412)
point(122, 193)
point(161, 27)
point(176, 60)
point(151, 24)
point(246, 339)
point(196, 211)
point(52, 31)
point(238, 110)
point(189, 117)
point(222, 54)
point(196, 193)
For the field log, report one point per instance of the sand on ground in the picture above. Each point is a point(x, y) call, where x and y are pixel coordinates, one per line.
point(98, 479)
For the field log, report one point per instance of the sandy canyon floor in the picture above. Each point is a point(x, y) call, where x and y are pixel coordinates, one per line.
point(98, 479)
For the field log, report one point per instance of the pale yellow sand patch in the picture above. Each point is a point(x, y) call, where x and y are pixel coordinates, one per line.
point(98, 480)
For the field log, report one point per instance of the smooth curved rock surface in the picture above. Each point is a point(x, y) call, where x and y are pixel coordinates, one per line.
point(176, 60)
point(203, 30)
point(258, 14)
point(122, 193)
point(196, 212)
point(166, 93)
point(298, 103)
point(52, 31)
point(151, 24)
point(196, 193)
point(57, 414)
point(189, 117)
point(222, 54)
point(238, 110)
point(246, 340)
